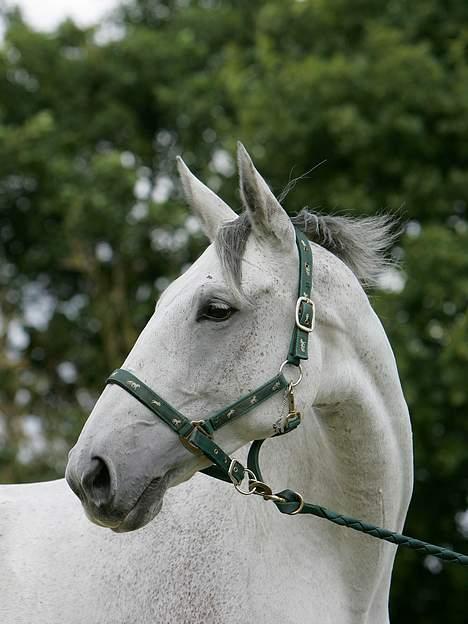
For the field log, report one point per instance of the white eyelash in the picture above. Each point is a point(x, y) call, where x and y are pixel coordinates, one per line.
point(220, 305)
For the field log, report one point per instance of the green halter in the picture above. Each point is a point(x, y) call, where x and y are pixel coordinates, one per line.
point(197, 435)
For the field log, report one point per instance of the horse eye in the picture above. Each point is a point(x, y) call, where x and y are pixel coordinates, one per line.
point(217, 311)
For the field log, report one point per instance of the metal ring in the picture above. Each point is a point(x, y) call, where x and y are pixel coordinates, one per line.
point(301, 505)
point(293, 384)
point(260, 488)
point(253, 478)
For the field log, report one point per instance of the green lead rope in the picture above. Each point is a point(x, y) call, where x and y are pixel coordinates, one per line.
point(292, 504)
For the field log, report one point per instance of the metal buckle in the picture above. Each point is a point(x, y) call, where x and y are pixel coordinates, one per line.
point(293, 416)
point(236, 481)
point(200, 425)
point(305, 328)
point(190, 446)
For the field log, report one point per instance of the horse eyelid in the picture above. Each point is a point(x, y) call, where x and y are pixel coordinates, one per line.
point(216, 303)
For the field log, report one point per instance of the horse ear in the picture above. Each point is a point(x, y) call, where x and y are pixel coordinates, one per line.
point(268, 218)
point(208, 207)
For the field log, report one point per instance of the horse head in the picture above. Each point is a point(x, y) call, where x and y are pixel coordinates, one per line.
point(218, 331)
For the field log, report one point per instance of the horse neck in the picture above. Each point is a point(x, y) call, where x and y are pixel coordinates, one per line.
point(353, 451)
point(359, 409)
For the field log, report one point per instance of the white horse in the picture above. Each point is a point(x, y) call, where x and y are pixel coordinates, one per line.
point(212, 556)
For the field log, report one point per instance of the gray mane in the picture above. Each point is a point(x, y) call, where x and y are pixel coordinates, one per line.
point(360, 243)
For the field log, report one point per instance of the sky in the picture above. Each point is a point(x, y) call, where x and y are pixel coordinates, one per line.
point(46, 14)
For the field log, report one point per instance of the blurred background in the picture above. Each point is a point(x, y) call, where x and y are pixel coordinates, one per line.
point(97, 98)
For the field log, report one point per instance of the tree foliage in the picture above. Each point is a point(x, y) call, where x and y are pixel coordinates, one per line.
point(92, 225)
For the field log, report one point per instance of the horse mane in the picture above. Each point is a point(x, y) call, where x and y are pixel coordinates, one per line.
point(360, 242)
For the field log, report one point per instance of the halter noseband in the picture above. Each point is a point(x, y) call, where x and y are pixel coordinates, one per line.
point(197, 435)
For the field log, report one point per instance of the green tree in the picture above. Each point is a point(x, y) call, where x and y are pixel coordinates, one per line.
point(92, 225)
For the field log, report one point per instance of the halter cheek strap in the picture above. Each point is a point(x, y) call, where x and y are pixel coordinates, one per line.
point(305, 309)
point(197, 435)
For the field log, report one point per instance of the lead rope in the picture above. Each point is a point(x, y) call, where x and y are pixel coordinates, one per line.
point(292, 503)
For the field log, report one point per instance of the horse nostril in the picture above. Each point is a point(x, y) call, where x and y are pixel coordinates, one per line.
point(96, 482)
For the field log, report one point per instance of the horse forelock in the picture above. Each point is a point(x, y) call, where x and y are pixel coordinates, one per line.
point(360, 242)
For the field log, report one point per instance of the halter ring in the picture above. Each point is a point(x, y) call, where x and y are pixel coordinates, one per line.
point(292, 384)
point(252, 477)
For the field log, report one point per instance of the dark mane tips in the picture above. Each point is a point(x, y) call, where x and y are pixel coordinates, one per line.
point(360, 242)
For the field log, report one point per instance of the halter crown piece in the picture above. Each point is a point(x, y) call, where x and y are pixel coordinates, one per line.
point(197, 435)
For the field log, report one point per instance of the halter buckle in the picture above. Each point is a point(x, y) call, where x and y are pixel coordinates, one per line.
point(307, 328)
point(233, 474)
point(190, 446)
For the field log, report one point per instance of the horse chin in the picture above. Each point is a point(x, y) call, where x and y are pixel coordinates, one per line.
point(146, 508)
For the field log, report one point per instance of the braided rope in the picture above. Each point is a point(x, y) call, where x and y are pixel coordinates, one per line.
point(370, 529)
